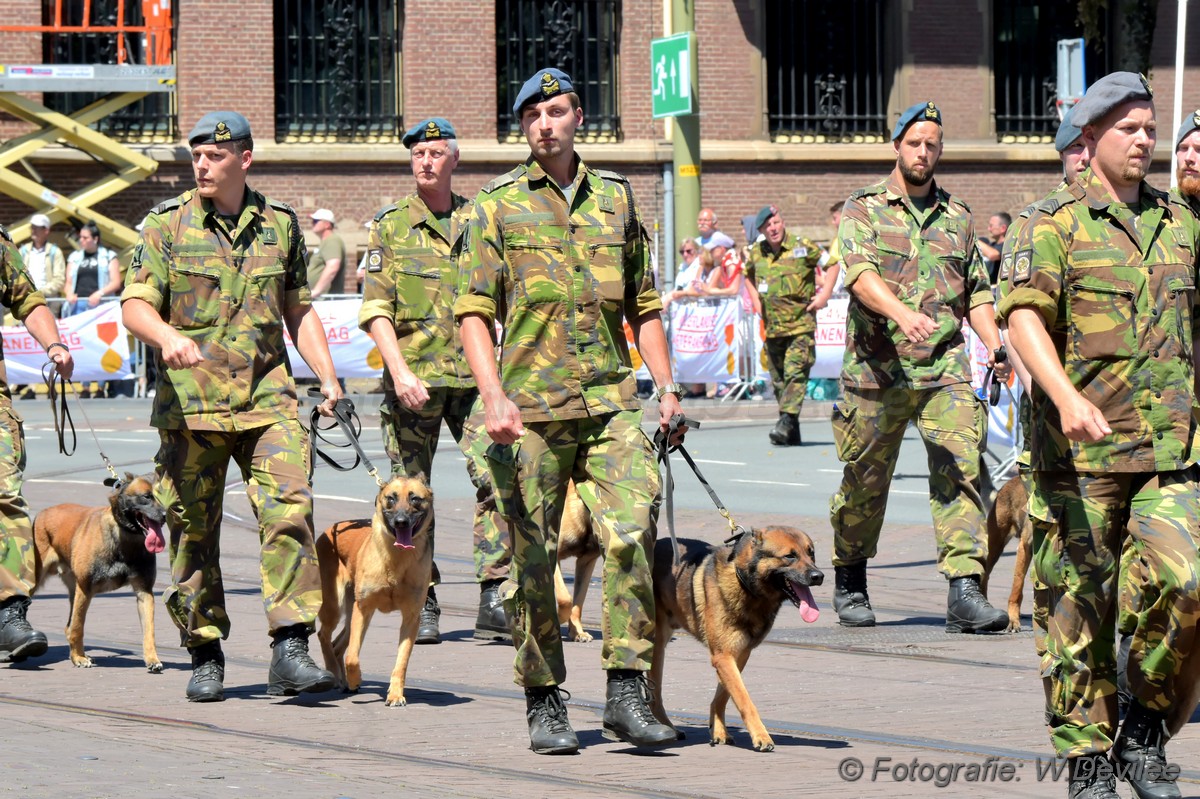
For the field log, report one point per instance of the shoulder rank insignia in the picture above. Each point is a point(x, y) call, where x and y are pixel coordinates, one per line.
point(606, 204)
point(269, 236)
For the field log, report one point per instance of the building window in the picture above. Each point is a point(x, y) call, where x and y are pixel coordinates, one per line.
point(580, 37)
point(1025, 65)
point(827, 75)
point(151, 119)
point(337, 67)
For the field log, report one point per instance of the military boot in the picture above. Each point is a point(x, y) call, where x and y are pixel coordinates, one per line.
point(1124, 698)
point(293, 671)
point(786, 432)
point(550, 732)
point(208, 673)
point(492, 623)
point(18, 640)
point(427, 628)
point(968, 611)
point(850, 598)
point(627, 714)
point(1140, 757)
point(1092, 778)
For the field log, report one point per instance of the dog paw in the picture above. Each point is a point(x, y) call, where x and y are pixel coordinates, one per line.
point(154, 667)
point(582, 636)
point(82, 662)
point(764, 746)
point(395, 701)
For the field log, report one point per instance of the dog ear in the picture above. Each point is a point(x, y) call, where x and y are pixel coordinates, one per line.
point(421, 476)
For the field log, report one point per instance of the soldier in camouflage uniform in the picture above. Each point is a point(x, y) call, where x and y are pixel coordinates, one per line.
point(557, 253)
point(18, 640)
point(408, 309)
point(914, 274)
point(783, 272)
point(217, 275)
point(1101, 303)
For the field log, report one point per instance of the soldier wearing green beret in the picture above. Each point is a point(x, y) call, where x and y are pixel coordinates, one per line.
point(914, 274)
point(557, 253)
point(1101, 310)
point(412, 280)
point(217, 276)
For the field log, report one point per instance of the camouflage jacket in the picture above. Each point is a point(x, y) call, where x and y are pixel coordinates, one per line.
point(787, 283)
point(227, 290)
point(1117, 294)
point(930, 262)
point(560, 280)
point(412, 279)
point(18, 294)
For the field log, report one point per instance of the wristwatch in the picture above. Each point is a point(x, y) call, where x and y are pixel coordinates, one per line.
point(670, 388)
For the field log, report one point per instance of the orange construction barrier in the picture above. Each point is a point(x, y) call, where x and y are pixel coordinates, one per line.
point(156, 28)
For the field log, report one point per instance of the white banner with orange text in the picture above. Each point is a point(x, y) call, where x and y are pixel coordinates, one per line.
point(97, 341)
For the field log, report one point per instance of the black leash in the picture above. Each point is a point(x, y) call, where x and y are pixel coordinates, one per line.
point(347, 419)
point(663, 442)
point(56, 388)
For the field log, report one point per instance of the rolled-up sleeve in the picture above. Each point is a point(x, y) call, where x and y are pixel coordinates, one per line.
point(483, 265)
point(856, 239)
point(1036, 277)
point(148, 278)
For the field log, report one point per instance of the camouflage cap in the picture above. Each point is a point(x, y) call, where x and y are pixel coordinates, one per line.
point(544, 84)
point(921, 112)
point(431, 129)
point(764, 216)
point(219, 126)
point(1190, 122)
point(1109, 92)
point(1068, 131)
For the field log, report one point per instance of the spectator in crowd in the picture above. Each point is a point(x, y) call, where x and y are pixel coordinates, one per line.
point(993, 246)
point(326, 274)
point(689, 265)
point(93, 272)
point(706, 225)
point(44, 260)
point(831, 257)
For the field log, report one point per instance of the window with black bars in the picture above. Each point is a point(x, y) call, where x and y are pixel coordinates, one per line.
point(337, 70)
point(151, 119)
point(580, 37)
point(827, 73)
point(1025, 65)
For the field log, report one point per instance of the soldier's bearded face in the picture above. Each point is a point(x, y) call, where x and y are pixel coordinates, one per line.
point(1187, 171)
point(549, 127)
point(1124, 143)
point(918, 151)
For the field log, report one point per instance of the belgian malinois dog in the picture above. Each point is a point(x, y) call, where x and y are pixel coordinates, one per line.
point(1009, 516)
point(97, 550)
point(576, 539)
point(727, 597)
point(379, 564)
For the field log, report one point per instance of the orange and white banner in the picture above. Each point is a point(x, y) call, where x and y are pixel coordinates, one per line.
point(96, 338)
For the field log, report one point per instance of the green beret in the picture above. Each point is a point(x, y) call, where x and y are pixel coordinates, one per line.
point(921, 112)
point(219, 126)
point(764, 216)
point(1109, 92)
point(542, 85)
point(431, 129)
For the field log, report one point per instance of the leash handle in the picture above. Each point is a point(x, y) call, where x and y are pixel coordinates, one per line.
point(344, 417)
point(56, 389)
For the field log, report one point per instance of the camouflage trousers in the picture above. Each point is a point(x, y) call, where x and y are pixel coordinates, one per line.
point(613, 466)
point(868, 427)
point(17, 559)
point(1081, 523)
point(410, 439)
point(790, 359)
point(274, 462)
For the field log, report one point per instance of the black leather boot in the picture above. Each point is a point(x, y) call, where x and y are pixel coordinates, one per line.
point(1092, 778)
point(850, 599)
point(427, 629)
point(968, 611)
point(208, 673)
point(492, 623)
point(18, 640)
point(550, 732)
point(293, 671)
point(627, 714)
point(1140, 757)
point(786, 432)
point(1124, 698)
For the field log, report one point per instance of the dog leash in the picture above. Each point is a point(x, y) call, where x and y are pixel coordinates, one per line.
point(663, 442)
point(347, 419)
point(56, 388)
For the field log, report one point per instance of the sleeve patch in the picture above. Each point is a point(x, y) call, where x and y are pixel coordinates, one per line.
point(375, 261)
point(1022, 266)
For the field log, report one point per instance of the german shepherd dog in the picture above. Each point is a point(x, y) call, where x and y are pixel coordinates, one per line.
point(1009, 516)
point(576, 539)
point(97, 550)
point(727, 597)
point(379, 564)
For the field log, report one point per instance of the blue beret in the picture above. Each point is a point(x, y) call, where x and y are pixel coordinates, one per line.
point(544, 84)
point(921, 112)
point(219, 126)
point(1109, 92)
point(764, 216)
point(1068, 131)
point(1190, 123)
point(430, 129)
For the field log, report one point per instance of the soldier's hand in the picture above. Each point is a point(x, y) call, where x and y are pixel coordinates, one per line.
point(331, 390)
point(64, 364)
point(410, 391)
point(818, 302)
point(1083, 421)
point(180, 352)
point(502, 419)
point(668, 406)
point(917, 327)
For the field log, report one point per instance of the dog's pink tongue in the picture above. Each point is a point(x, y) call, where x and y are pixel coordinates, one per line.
point(154, 538)
point(404, 536)
point(808, 606)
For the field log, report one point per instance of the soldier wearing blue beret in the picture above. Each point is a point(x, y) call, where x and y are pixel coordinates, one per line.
point(1107, 94)
point(432, 129)
point(921, 112)
point(219, 126)
point(1187, 159)
point(1068, 132)
point(544, 85)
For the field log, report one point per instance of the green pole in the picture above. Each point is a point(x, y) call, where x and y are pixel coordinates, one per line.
point(686, 138)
